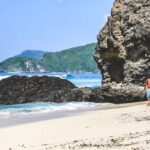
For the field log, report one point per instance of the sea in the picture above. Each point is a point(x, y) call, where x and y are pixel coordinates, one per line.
point(10, 114)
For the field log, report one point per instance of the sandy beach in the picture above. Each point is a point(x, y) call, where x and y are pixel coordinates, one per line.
point(122, 127)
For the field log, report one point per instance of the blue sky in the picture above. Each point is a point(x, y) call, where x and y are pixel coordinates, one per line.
point(49, 25)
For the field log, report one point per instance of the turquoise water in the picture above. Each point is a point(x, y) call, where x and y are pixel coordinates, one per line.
point(80, 80)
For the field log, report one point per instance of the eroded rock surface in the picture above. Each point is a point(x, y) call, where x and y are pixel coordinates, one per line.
point(123, 48)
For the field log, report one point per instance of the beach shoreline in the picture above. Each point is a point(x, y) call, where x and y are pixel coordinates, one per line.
point(125, 127)
point(30, 118)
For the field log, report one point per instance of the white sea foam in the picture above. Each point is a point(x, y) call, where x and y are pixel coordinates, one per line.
point(3, 77)
point(59, 76)
point(45, 107)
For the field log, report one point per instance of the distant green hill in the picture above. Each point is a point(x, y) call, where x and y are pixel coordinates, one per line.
point(35, 54)
point(73, 59)
point(77, 59)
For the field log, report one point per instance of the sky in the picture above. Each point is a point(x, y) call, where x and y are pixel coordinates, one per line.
point(49, 25)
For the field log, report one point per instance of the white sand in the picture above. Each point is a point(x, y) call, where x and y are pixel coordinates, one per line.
point(122, 128)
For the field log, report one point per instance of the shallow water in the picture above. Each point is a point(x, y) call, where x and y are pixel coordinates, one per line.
point(7, 111)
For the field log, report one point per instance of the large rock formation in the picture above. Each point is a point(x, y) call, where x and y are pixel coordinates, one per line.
point(123, 48)
point(22, 89)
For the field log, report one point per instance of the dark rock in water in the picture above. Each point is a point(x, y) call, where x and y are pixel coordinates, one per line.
point(22, 89)
point(123, 48)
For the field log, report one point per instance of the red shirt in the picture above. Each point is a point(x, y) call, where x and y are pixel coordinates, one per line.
point(148, 83)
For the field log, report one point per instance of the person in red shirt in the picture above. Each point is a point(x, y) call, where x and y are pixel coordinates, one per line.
point(147, 87)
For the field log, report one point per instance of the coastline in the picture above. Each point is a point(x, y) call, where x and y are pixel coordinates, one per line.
point(110, 128)
point(31, 118)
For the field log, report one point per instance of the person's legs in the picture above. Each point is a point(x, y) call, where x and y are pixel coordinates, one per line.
point(148, 94)
point(148, 97)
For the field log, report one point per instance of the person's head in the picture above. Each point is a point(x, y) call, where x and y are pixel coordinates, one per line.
point(149, 75)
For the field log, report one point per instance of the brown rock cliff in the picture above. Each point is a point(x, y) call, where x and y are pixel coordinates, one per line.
point(123, 47)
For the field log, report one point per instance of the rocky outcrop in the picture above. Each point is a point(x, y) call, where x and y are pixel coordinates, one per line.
point(117, 95)
point(123, 47)
point(21, 89)
point(123, 51)
point(108, 94)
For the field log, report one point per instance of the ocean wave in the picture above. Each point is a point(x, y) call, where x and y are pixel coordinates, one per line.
point(45, 107)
